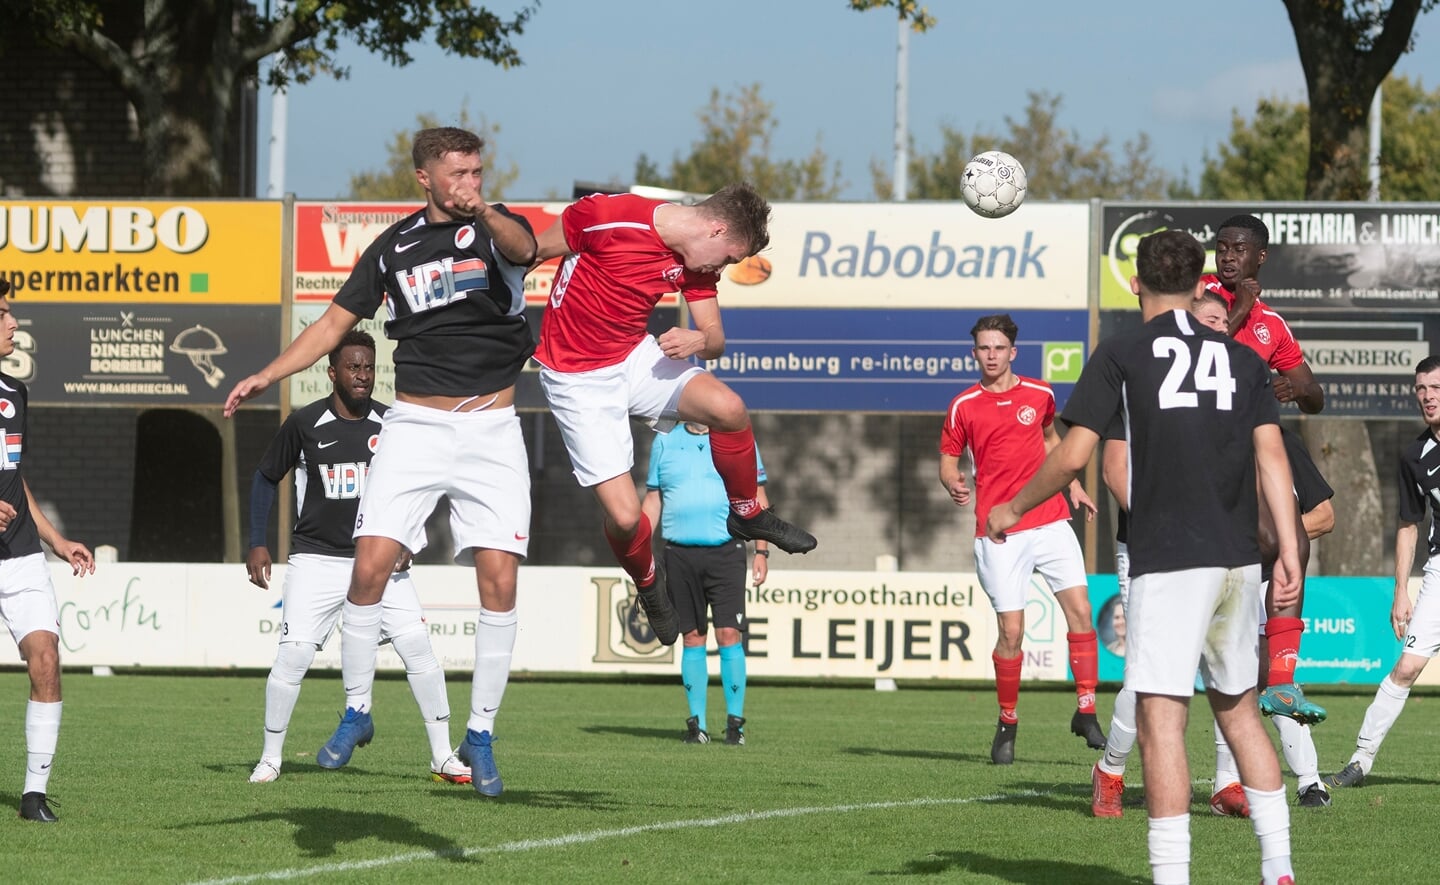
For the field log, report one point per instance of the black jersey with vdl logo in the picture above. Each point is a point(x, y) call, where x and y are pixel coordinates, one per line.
point(331, 456)
point(1191, 399)
point(20, 537)
point(456, 306)
point(1419, 480)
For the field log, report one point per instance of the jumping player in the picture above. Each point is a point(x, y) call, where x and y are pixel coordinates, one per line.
point(1188, 396)
point(329, 443)
point(1007, 422)
point(600, 367)
point(451, 278)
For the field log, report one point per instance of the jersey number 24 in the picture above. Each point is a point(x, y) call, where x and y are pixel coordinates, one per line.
point(1211, 373)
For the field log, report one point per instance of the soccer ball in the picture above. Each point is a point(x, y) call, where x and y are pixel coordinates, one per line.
point(993, 184)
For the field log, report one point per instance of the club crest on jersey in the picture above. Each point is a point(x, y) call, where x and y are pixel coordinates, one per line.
point(373, 442)
point(14, 443)
point(7, 409)
point(1025, 415)
point(465, 236)
point(1262, 332)
point(673, 273)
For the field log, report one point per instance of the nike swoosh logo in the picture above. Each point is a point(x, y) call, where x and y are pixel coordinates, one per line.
point(402, 248)
point(488, 709)
point(487, 781)
point(520, 537)
point(46, 765)
point(326, 445)
point(1431, 471)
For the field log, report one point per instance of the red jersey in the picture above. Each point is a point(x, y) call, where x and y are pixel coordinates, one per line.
point(1264, 331)
point(1006, 436)
point(617, 271)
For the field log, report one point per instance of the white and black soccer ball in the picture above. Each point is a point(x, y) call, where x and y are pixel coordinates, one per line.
point(993, 184)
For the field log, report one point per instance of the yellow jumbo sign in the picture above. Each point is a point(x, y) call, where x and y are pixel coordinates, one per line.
point(195, 252)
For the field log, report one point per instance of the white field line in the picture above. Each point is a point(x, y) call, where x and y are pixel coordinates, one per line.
point(585, 838)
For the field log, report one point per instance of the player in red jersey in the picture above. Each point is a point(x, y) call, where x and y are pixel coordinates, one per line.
point(1008, 423)
point(1241, 247)
point(600, 367)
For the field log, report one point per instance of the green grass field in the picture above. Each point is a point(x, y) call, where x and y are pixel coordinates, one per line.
point(836, 784)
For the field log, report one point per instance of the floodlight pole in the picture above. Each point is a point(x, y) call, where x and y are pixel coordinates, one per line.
point(902, 87)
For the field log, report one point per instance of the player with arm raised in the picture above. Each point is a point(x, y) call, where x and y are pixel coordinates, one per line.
point(451, 278)
point(329, 444)
point(1007, 423)
point(1188, 396)
point(600, 366)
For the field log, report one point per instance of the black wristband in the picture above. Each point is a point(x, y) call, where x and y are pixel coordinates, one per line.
point(764, 553)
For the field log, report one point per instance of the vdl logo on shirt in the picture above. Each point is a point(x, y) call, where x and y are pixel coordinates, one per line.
point(438, 283)
point(344, 482)
point(14, 444)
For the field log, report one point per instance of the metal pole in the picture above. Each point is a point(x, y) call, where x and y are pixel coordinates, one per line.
point(1375, 146)
point(902, 127)
point(275, 183)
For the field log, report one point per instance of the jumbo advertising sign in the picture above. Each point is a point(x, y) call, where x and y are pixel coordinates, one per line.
point(141, 302)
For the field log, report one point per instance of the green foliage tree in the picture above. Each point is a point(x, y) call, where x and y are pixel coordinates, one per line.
point(396, 181)
point(1266, 156)
point(1057, 162)
point(1347, 48)
point(736, 144)
point(919, 17)
point(182, 63)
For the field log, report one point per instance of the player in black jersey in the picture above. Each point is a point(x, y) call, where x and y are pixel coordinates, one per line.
point(27, 596)
point(329, 444)
point(1189, 396)
point(451, 278)
point(1417, 626)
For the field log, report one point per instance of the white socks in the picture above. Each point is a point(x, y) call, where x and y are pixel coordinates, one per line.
point(1381, 714)
point(1121, 739)
point(1271, 818)
point(42, 733)
point(1170, 850)
point(427, 683)
point(494, 645)
point(359, 637)
point(1299, 750)
point(282, 690)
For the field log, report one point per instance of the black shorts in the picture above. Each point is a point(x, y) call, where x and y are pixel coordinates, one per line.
point(1311, 489)
point(697, 577)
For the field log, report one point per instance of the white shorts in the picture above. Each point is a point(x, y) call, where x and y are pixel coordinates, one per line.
point(1204, 616)
point(476, 458)
point(315, 589)
point(27, 596)
point(1422, 637)
point(1005, 569)
point(594, 408)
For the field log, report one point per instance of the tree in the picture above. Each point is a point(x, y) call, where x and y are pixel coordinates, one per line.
point(736, 145)
point(182, 63)
point(1266, 157)
point(1058, 164)
point(919, 17)
point(397, 180)
point(1347, 47)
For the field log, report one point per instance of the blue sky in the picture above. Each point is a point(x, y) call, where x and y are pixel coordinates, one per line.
point(604, 82)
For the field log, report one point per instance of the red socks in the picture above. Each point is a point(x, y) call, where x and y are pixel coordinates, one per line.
point(1084, 663)
point(1283, 635)
point(634, 554)
point(733, 452)
point(1007, 685)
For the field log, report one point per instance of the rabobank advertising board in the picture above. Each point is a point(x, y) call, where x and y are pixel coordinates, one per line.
point(141, 302)
point(868, 307)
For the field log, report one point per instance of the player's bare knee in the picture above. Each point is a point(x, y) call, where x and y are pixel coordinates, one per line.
point(41, 652)
point(1407, 670)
